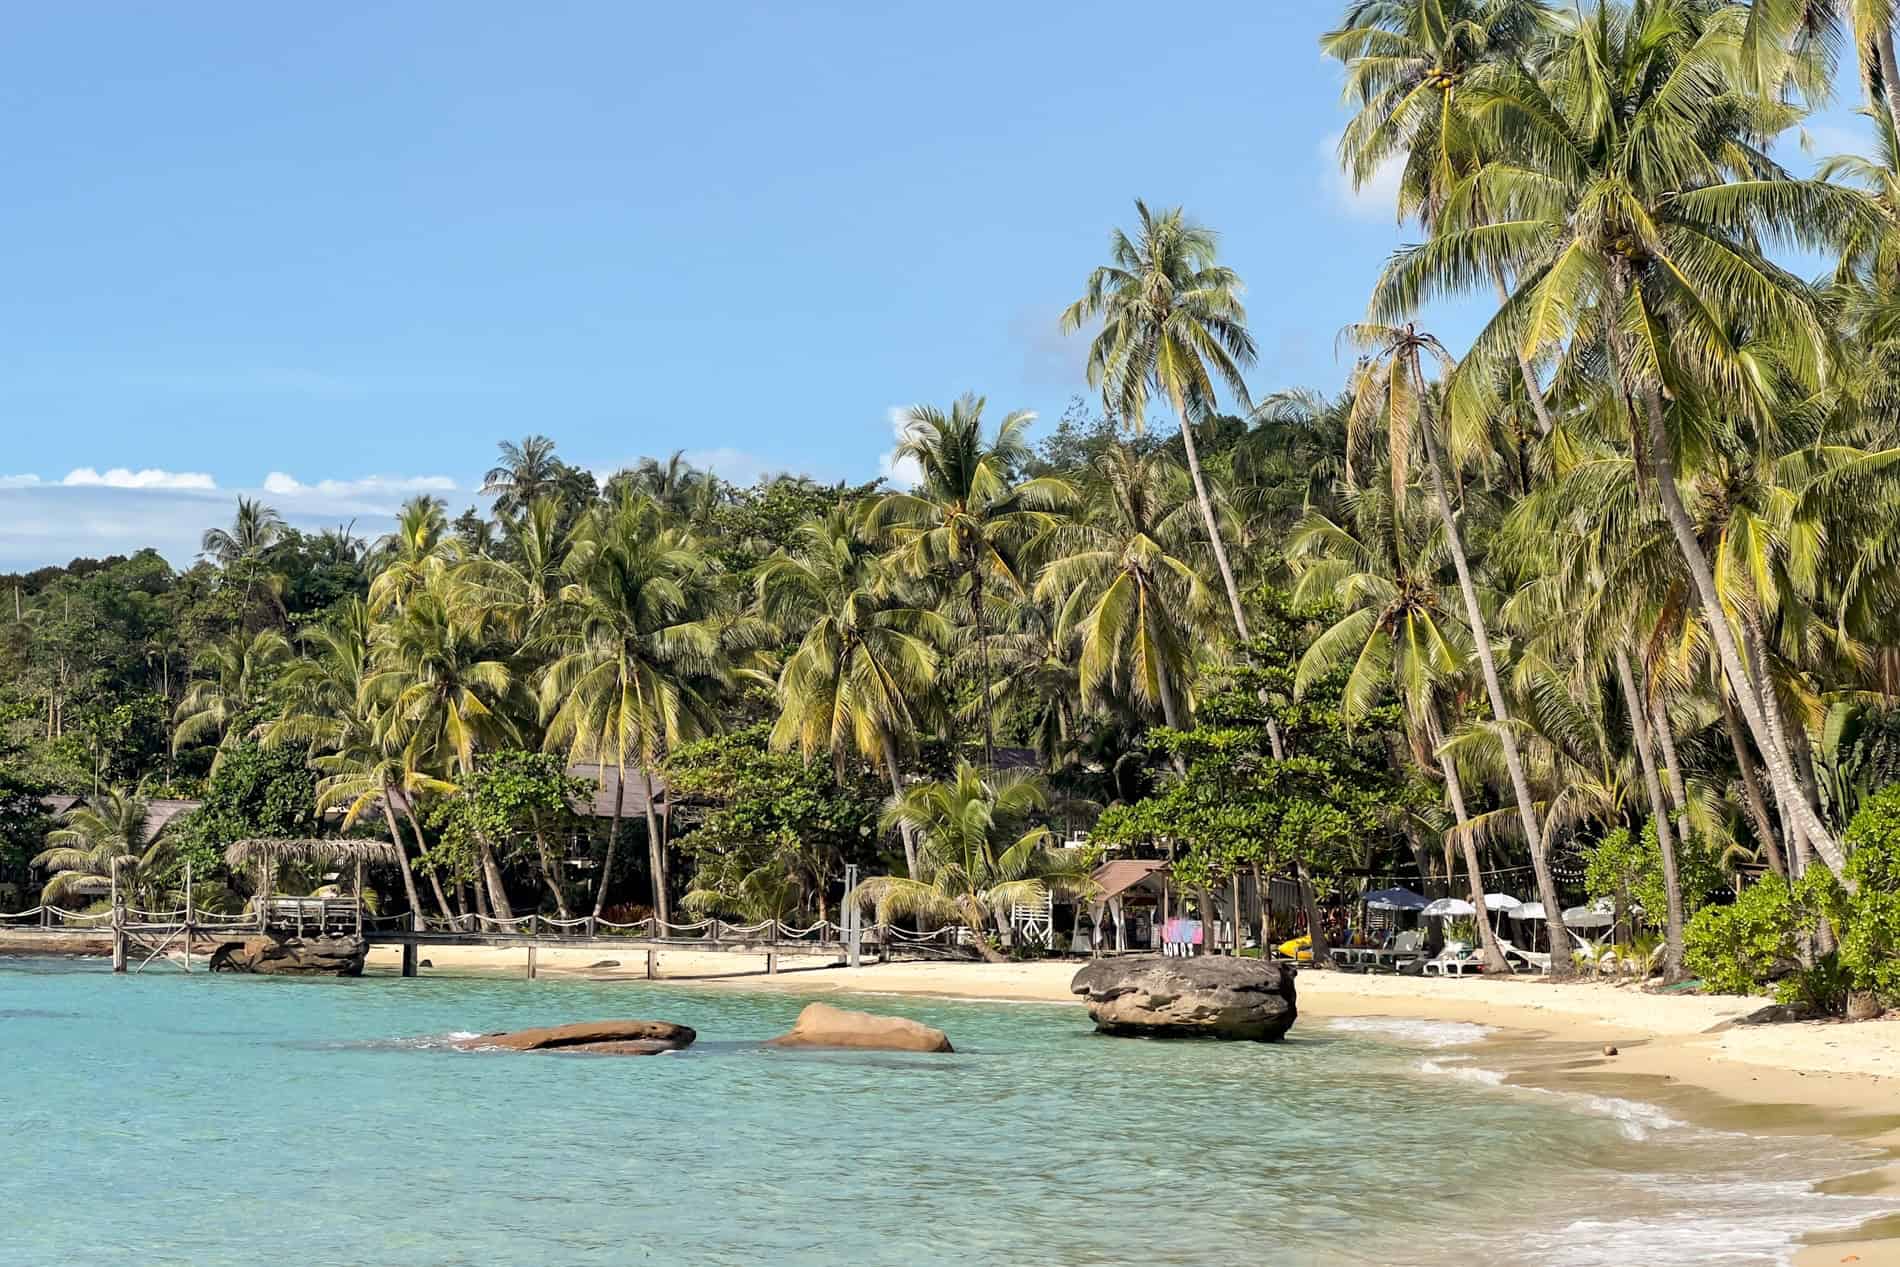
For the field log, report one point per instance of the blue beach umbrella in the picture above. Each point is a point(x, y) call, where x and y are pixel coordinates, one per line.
point(1397, 900)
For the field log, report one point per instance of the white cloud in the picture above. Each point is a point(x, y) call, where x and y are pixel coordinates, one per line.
point(1376, 199)
point(18, 481)
point(149, 477)
point(902, 472)
point(281, 485)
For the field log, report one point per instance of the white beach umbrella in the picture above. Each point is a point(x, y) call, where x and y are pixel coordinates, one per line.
point(1597, 915)
point(1529, 910)
point(1449, 906)
point(1500, 902)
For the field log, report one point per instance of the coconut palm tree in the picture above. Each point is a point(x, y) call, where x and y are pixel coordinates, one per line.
point(1121, 576)
point(98, 838)
point(414, 555)
point(1641, 206)
point(1795, 40)
point(240, 668)
point(969, 515)
point(863, 677)
point(254, 529)
point(526, 471)
point(1173, 325)
point(979, 857)
point(637, 647)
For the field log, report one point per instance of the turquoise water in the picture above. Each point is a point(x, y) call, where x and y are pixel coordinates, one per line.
point(216, 1121)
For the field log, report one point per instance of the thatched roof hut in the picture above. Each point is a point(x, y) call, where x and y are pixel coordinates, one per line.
point(266, 851)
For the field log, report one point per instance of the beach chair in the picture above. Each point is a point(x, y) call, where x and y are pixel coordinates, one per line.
point(1456, 960)
point(1533, 960)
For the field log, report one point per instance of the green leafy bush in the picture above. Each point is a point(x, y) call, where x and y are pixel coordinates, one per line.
point(1739, 949)
point(1868, 919)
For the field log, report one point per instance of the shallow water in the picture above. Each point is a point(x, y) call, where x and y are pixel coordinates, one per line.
point(225, 1120)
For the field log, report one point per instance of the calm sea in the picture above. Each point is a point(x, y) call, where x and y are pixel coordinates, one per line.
point(213, 1121)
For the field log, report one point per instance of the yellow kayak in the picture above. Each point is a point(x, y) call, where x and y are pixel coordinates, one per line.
point(1300, 949)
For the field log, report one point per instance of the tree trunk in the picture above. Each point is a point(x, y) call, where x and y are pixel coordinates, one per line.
point(897, 791)
point(1532, 389)
point(1309, 902)
point(402, 858)
point(656, 853)
point(1260, 911)
point(979, 616)
point(550, 872)
point(1207, 518)
point(1677, 786)
point(1659, 814)
point(1494, 960)
point(1208, 922)
point(1751, 786)
point(422, 848)
point(613, 840)
point(1560, 958)
point(1750, 699)
point(1889, 71)
point(491, 872)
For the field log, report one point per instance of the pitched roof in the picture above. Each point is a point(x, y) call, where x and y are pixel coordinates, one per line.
point(1117, 877)
point(159, 811)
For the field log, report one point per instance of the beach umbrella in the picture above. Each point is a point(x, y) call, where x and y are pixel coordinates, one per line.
point(1397, 900)
point(1529, 910)
point(1455, 907)
point(1597, 915)
point(1500, 902)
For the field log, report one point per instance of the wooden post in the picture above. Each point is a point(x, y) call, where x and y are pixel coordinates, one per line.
point(715, 930)
point(359, 896)
point(409, 959)
point(653, 965)
point(530, 963)
point(771, 963)
point(118, 923)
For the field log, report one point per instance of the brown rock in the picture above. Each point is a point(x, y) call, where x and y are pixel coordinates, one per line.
point(1865, 1005)
point(1154, 996)
point(270, 954)
point(821, 1025)
point(1609, 1049)
point(619, 1038)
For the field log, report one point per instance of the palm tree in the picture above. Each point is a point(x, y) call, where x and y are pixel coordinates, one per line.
point(978, 860)
point(1121, 576)
point(636, 646)
point(863, 677)
point(1394, 377)
point(1795, 40)
point(969, 516)
point(1399, 629)
point(415, 555)
point(240, 668)
point(1641, 206)
point(99, 839)
point(1173, 324)
point(254, 529)
point(526, 471)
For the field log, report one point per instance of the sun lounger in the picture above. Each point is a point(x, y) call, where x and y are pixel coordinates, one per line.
point(1533, 960)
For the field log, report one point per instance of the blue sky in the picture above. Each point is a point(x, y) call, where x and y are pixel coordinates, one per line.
point(335, 253)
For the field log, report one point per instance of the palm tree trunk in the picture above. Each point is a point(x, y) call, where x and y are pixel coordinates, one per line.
point(1494, 960)
point(491, 872)
point(1659, 814)
point(1749, 698)
point(1309, 901)
point(402, 859)
point(1751, 786)
point(897, 791)
point(1889, 72)
point(613, 840)
point(1672, 767)
point(1532, 389)
point(1207, 517)
point(656, 852)
point(978, 615)
point(1560, 960)
point(422, 848)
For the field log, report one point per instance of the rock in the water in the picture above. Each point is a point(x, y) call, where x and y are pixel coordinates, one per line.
point(1153, 996)
point(821, 1025)
point(274, 955)
point(617, 1038)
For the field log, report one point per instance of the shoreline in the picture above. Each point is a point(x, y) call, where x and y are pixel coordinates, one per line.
point(1684, 1053)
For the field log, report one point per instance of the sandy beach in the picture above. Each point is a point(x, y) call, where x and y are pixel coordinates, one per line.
point(1684, 1052)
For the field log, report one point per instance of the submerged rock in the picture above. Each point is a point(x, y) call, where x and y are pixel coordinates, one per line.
point(272, 955)
point(1154, 996)
point(616, 1038)
point(821, 1025)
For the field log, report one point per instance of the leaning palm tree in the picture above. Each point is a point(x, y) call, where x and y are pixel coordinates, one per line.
point(99, 839)
point(979, 859)
point(863, 677)
point(1794, 41)
point(239, 669)
point(1173, 324)
point(968, 516)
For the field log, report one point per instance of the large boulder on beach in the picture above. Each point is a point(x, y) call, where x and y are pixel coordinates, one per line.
point(1152, 996)
point(272, 955)
point(822, 1025)
point(614, 1038)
